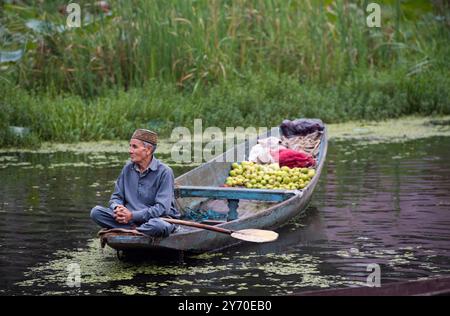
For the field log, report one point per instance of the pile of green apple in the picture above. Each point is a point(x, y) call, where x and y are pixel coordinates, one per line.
point(255, 176)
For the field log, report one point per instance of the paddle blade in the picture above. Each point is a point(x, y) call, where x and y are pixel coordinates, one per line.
point(255, 235)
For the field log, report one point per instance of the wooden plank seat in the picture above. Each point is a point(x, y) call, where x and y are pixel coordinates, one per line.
point(233, 195)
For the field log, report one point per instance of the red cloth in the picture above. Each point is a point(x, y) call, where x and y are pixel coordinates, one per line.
point(295, 159)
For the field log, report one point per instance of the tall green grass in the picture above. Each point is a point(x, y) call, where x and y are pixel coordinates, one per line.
point(199, 43)
point(161, 64)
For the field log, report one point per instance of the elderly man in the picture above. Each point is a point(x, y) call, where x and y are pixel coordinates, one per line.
point(143, 192)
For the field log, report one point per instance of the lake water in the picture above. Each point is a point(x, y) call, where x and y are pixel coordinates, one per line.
point(383, 204)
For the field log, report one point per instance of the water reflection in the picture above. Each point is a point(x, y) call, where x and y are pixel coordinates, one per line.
point(386, 204)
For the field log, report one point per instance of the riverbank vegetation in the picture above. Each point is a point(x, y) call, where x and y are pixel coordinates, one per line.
point(161, 64)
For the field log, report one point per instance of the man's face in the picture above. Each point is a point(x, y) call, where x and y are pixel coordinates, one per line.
point(138, 152)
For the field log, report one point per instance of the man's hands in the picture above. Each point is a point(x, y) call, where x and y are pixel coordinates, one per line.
point(122, 215)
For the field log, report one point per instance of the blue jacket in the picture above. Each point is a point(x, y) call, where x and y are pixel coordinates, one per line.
point(147, 195)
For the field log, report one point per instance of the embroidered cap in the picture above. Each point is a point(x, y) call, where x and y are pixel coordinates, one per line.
point(146, 136)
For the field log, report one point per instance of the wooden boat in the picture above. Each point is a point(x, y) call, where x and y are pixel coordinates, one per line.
point(430, 287)
point(245, 208)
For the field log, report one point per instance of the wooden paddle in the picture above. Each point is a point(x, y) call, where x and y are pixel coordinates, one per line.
point(253, 235)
